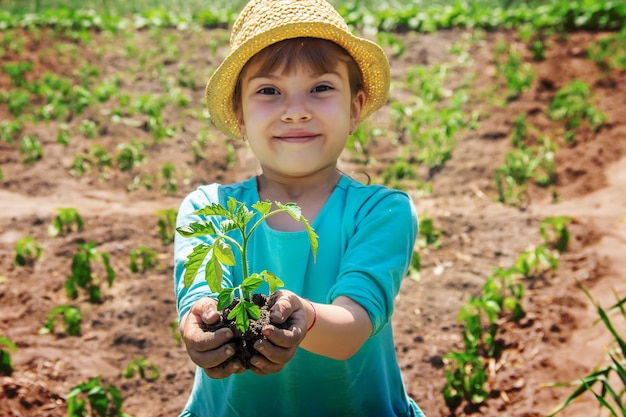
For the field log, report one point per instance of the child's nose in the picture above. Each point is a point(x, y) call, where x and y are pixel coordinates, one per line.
point(296, 112)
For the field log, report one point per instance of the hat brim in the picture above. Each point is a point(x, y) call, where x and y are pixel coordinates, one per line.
point(369, 57)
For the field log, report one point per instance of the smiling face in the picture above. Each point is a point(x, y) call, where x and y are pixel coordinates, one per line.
point(297, 114)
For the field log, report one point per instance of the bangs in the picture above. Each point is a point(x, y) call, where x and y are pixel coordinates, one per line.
point(319, 55)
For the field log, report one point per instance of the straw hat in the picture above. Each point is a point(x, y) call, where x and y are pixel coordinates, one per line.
point(264, 22)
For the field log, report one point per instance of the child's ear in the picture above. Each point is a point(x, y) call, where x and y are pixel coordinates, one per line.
point(358, 101)
point(242, 126)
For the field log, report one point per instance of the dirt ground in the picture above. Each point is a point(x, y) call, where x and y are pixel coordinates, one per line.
point(554, 342)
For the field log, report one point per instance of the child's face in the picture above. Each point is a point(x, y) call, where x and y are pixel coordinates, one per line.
point(298, 123)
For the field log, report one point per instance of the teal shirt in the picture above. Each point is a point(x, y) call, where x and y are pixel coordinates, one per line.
point(366, 238)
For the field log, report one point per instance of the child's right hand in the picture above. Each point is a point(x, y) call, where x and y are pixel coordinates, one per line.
point(209, 350)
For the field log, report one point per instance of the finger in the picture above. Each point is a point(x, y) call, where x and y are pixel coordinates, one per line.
point(273, 353)
point(212, 358)
point(261, 365)
point(224, 370)
point(282, 306)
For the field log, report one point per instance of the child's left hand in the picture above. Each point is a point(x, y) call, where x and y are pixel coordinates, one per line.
point(281, 344)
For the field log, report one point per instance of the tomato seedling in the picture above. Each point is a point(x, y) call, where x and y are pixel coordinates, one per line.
point(236, 218)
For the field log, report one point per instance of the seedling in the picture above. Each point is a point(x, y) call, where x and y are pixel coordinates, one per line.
point(27, 251)
point(428, 235)
point(554, 232)
point(466, 381)
point(30, 149)
point(6, 366)
point(94, 399)
point(237, 218)
point(72, 318)
point(130, 155)
point(66, 221)
point(535, 263)
point(142, 259)
point(83, 276)
point(166, 225)
point(142, 367)
point(237, 304)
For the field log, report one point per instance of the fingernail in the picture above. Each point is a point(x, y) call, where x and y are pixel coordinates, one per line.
point(277, 315)
point(229, 351)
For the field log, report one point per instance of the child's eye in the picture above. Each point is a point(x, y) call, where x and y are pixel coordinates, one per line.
point(268, 91)
point(321, 88)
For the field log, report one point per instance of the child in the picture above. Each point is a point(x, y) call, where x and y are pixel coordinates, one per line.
point(294, 86)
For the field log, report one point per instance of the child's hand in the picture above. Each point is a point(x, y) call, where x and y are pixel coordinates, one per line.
point(209, 350)
point(281, 344)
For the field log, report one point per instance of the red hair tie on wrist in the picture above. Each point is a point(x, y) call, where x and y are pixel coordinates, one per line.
point(314, 316)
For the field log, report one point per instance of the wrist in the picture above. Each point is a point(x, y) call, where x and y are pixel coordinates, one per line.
point(311, 315)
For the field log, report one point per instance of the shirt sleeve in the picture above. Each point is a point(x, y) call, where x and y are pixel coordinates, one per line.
point(186, 297)
point(378, 254)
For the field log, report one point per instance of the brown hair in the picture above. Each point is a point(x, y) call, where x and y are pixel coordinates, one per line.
point(321, 55)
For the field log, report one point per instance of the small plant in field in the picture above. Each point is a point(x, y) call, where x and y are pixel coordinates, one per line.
point(89, 128)
point(85, 162)
point(167, 225)
point(10, 130)
point(63, 134)
point(6, 365)
point(554, 232)
point(30, 149)
point(17, 71)
point(130, 155)
point(27, 251)
point(520, 130)
point(535, 263)
point(609, 52)
point(71, 316)
point(520, 166)
point(465, 380)
point(428, 234)
point(68, 220)
point(415, 268)
point(142, 259)
point(142, 367)
point(176, 332)
point(397, 174)
point(572, 105)
point(168, 172)
point(94, 399)
point(17, 101)
point(517, 74)
point(238, 305)
point(610, 378)
point(83, 276)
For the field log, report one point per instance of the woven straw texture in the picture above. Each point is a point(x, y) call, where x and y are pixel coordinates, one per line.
point(265, 22)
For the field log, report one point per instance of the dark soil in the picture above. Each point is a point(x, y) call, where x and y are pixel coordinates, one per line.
point(244, 341)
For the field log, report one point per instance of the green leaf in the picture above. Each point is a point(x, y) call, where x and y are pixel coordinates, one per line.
point(201, 228)
point(227, 225)
point(312, 237)
point(253, 310)
point(225, 298)
point(107, 266)
point(250, 284)
point(262, 207)
point(214, 273)
point(232, 205)
point(223, 252)
point(272, 280)
point(240, 315)
point(194, 262)
point(292, 209)
point(212, 209)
